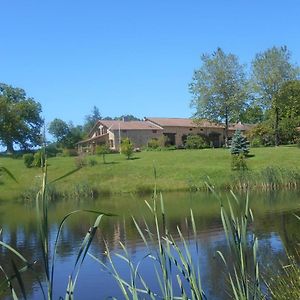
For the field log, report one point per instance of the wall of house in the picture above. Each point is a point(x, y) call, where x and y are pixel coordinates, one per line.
point(139, 137)
point(180, 132)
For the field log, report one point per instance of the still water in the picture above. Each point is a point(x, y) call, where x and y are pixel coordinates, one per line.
point(275, 226)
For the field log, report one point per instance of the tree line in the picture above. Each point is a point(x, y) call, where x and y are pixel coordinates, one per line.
point(222, 90)
point(269, 94)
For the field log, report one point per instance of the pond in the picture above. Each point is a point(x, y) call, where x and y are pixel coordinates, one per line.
point(275, 226)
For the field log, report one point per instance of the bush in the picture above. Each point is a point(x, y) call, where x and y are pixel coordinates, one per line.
point(102, 150)
point(28, 159)
point(194, 141)
point(69, 152)
point(52, 150)
point(263, 132)
point(238, 162)
point(127, 148)
point(80, 161)
point(92, 162)
point(153, 143)
point(256, 142)
point(39, 159)
point(157, 143)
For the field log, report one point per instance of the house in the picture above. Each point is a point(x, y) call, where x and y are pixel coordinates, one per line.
point(175, 130)
point(112, 132)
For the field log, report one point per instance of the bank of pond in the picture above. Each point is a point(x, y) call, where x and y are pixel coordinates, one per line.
point(178, 170)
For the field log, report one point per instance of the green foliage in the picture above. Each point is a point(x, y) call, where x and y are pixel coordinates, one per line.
point(219, 87)
point(59, 129)
point(80, 161)
point(153, 143)
point(127, 148)
point(238, 162)
point(158, 143)
point(195, 141)
point(262, 134)
point(66, 135)
point(170, 258)
point(239, 144)
point(102, 150)
point(52, 150)
point(271, 69)
point(69, 152)
point(20, 119)
point(91, 119)
point(28, 159)
point(252, 114)
point(48, 255)
point(92, 162)
point(39, 159)
point(243, 278)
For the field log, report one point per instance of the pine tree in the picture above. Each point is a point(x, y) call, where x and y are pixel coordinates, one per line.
point(239, 144)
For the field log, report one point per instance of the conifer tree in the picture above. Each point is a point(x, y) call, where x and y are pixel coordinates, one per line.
point(239, 144)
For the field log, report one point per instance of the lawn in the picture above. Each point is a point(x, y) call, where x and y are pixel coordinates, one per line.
point(176, 170)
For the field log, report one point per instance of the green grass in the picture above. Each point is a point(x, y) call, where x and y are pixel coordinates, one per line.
point(176, 170)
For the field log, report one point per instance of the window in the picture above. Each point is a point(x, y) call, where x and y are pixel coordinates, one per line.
point(154, 131)
point(111, 143)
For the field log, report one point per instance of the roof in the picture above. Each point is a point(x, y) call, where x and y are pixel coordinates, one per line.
point(184, 122)
point(240, 126)
point(129, 125)
point(95, 138)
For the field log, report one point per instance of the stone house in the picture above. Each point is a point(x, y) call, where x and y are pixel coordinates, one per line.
point(112, 132)
point(175, 130)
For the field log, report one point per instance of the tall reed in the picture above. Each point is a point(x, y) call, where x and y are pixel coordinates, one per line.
point(48, 259)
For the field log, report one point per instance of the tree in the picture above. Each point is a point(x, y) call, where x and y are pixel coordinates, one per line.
point(270, 70)
point(91, 119)
point(66, 135)
point(219, 88)
point(102, 150)
point(127, 147)
point(288, 99)
point(239, 144)
point(252, 114)
point(20, 120)
point(59, 129)
point(127, 118)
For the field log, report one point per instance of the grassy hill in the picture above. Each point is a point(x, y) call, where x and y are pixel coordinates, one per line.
point(176, 170)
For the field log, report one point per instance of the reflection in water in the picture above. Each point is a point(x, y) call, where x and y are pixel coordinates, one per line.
point(275, 226)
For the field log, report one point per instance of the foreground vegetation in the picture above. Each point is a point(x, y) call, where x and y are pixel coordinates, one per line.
point(175, 170)
point(176, 262)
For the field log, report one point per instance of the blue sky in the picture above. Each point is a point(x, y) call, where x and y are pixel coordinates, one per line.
point(130, 57)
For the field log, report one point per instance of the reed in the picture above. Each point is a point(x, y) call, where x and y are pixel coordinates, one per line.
point(269, 178)
point(48, 254)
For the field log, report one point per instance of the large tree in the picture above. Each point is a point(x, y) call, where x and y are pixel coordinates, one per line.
point(270, 70)
point(59, 129)
point(20, 119)
point(66, 135)
point(91, 119)
point(219, 88)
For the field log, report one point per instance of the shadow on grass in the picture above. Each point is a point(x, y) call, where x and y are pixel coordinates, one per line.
point(111, 163)
point(134, 158)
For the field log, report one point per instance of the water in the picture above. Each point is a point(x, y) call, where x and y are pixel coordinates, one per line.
point(275, 226)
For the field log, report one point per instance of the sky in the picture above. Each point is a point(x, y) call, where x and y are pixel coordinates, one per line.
point(130, 57)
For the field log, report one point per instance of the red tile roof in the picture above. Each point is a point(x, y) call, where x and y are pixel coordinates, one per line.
point(184, 122)
point(129, 125)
